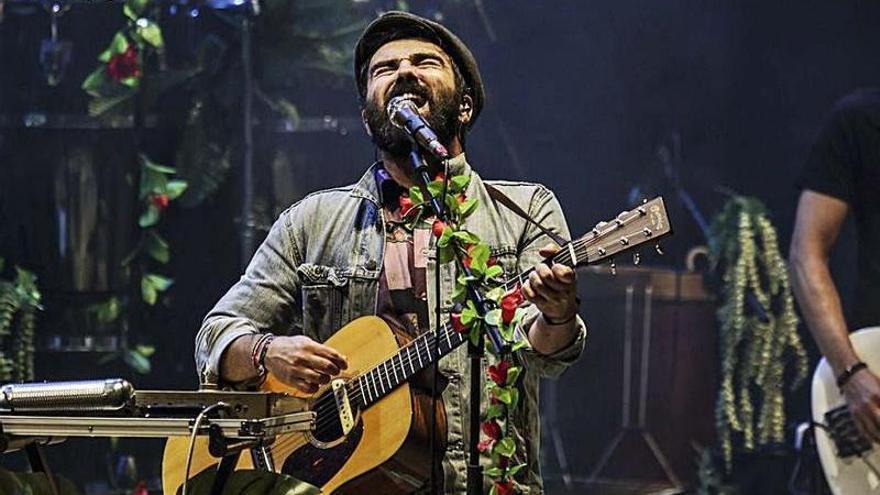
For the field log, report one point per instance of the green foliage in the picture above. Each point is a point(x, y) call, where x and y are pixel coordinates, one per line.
point(755, 355)
point(19, 303)
point(711, 479)
point(251, 482)
point(477, 269)
point(33, 484)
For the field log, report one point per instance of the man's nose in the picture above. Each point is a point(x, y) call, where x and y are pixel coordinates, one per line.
point(407, 70)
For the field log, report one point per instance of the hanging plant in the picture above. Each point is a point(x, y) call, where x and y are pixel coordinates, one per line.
point(158, 187)
point(121, 66)
point(756, 349)
point(454, 242)
point(19, 303)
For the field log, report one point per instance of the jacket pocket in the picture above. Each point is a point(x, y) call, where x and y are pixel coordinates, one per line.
point(505, 256)
point(324, 299)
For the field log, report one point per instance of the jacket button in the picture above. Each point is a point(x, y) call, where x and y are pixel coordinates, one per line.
point(370, 265)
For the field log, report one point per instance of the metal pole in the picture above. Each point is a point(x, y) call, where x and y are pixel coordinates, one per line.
point(247, 196)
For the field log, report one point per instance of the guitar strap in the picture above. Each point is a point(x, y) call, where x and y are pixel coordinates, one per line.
point(502, 198)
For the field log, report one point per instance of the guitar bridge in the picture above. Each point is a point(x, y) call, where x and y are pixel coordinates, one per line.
point(843, 432)
point(343, 406)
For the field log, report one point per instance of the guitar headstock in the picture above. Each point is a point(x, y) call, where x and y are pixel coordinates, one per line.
point(645, 224)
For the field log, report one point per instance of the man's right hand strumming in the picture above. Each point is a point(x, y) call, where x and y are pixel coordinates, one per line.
point(295, 360)
point(303, 363)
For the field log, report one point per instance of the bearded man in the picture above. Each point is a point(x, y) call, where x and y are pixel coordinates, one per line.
point(344, 253)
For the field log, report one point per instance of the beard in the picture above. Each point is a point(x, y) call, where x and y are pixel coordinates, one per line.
point(442, 118)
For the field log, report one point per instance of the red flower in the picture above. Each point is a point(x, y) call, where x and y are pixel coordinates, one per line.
point(457, 325)
point(437, 228)
point(509, 303)
point(492, 429)
point(440, 176)
point(504, 487)
point(485, 445)
point(124, 65)
point(466, 261)
point(498, 372)
point(405, 203)
point(492, 261)
point(160, 200)
point(140, 489)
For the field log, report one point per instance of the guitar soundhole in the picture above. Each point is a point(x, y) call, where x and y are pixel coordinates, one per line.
point(319, 461)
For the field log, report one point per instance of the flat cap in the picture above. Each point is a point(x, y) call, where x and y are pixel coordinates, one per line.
point(397, 25)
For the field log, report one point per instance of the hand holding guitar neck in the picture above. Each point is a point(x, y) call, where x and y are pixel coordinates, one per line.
point(553, 290)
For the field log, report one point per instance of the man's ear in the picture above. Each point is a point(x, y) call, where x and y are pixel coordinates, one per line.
point(466, 109)
point(364, 122)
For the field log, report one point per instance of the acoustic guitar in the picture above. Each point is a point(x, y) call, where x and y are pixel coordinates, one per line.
point(372, 428)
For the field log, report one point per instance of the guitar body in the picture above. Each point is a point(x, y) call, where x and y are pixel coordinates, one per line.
point(850, 476)
point(386, 452)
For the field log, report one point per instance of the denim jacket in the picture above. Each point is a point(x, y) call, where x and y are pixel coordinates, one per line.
point(319, 268)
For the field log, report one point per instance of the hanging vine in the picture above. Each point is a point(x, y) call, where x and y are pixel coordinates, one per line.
point(19, 303)
point(758, 338)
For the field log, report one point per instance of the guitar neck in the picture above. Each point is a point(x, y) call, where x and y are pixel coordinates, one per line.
point(646, 223)
point(425, 349)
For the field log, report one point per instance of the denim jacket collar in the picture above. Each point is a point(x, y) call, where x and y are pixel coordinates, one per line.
point(367, 188)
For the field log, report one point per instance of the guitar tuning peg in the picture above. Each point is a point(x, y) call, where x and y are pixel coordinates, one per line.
point(659, 249)
point(613, 268)
point(636, 258)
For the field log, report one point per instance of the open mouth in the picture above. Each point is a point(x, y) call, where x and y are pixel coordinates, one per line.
point(419, 100)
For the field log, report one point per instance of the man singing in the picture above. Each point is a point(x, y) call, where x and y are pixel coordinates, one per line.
point(344, 253)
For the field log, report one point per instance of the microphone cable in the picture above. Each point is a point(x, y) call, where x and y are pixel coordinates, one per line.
point(192, 439)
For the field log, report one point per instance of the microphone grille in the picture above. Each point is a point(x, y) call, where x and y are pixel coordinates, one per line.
point(398, 103)
point(84, 395)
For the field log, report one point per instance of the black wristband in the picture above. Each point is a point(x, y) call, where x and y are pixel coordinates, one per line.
point(551, 321)
point(849, 372)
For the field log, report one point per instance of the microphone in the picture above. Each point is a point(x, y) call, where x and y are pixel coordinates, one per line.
point(404, 114)
point(89, 395)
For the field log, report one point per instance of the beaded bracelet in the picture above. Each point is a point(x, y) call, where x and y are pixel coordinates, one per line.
point(261, 361)
point(257, 354)
point(849, 372)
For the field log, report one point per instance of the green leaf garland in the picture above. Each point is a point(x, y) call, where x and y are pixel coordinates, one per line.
point(454, 241)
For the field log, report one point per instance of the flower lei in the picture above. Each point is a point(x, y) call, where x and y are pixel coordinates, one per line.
point(454, 241)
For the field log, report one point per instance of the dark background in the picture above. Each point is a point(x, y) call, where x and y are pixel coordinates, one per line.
point(581, 94)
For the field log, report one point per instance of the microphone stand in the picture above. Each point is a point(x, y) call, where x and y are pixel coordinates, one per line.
point(475, 350)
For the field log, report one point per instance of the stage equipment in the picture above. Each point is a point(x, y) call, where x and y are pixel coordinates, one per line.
point(628, 416)
point(233, 422)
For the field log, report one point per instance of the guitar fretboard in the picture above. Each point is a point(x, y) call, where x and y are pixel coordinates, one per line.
point(629, 229)
point(425, 349)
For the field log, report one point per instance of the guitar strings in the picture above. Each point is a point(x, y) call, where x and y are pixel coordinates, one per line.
point(325, 405)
